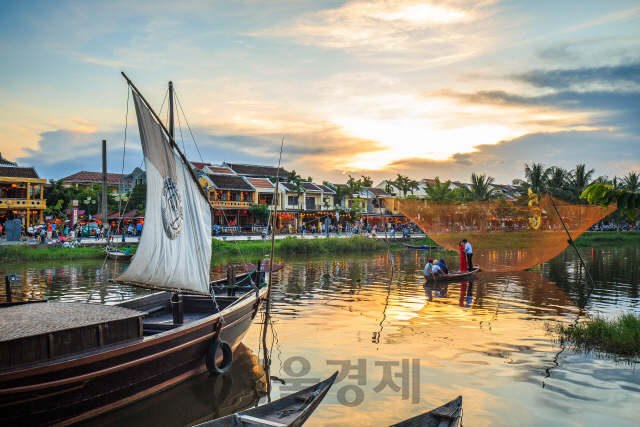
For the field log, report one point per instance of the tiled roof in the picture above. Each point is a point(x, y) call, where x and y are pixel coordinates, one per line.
point(430, 181)
point(261, 183)
point(256, 170)
point(5, 162)
point(95, 177)
point(310, 187)
point(18, 172)
point(326, 189)
point(219, 170)
point(98, 216)
point(200, 165)
point(230, 182)
point(288, 187)
point(378, 192)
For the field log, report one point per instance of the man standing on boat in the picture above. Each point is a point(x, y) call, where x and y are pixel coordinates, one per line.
point(469, 251)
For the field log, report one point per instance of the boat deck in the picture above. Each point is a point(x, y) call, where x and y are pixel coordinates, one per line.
point(29, 320)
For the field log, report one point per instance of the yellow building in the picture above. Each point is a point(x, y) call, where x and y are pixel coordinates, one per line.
point(21, 193)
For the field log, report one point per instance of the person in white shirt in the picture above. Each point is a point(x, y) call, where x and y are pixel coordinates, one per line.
point(469, 252)
point(432, 269)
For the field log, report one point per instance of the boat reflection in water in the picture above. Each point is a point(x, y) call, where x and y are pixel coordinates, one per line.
point(202, 398)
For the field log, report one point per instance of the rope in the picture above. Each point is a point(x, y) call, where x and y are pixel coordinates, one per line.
point(187, 122)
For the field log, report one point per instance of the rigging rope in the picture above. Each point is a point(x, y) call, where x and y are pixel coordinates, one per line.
point(187, 122)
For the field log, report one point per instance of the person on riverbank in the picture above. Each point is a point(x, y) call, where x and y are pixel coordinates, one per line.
point(469, 252)
point(463, 257)
point(139, 230)
point(49, 232)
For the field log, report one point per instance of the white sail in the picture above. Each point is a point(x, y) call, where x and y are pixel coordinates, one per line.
point(175, 248)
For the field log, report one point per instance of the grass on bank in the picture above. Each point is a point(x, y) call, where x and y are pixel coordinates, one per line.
point(20, 253)
point(619, 336)
point(608, 238)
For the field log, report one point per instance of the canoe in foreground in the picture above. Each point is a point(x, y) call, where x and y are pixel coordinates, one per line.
point(454, 275)
point(290, 411)
point(422, 247)
point(119, 256)
point(448, 415)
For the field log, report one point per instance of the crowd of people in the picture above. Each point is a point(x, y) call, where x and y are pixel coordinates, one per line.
point(614, 227)
point(52, 233)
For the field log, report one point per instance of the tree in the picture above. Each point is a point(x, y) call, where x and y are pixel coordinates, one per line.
point(293, 177)
point(340, 191)
point(604, 194)
point(367, 182)
point(438, 192)
point(536, 177)
point(481, 188)
point(405, 184)
point(309, 179)
point(388, 187)
point(631, 182)
point(138, 197)
point(296, 187)
point(260, 212)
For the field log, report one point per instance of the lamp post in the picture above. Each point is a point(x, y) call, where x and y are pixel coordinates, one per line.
point(121, 197)
point(89, 201)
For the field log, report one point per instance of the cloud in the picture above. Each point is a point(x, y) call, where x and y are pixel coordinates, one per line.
point(610, 76)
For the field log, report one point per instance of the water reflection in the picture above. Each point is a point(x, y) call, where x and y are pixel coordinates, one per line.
point(199, 399)
point(483, 339)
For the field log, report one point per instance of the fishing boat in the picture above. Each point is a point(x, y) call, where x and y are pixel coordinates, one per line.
point(290, 411)
point(454, 275)
point(265, 266)
point(448, 415)
point(422, 247)
point(119, 256)
point(61, 363)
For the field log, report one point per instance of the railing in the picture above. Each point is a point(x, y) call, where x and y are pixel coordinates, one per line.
point(22, 204)
point(230, 204)
point(310, 207)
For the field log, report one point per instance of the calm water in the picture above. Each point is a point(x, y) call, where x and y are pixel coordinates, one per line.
point(413, 347)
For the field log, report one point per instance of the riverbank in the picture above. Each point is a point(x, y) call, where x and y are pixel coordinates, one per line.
point(608, 238)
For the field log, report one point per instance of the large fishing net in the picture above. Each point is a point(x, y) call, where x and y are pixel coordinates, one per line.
point(504, 235)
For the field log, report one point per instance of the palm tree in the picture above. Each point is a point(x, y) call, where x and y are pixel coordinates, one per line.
point(481, 188)
point(581, 178)
point(388, 187)
point(293, 177)
point(296, 187)
point(631, 182)
point(438, 192)
point(536, 177)
point(558, 182)
point(627, 201)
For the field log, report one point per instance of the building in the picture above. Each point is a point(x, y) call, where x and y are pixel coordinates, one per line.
point(21, 193)
point(231, 196)
point(88, 179)
point(126, 184)
point(257, 171)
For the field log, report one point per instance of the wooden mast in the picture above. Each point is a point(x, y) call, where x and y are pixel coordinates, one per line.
point(171, 130)
point(171, 140)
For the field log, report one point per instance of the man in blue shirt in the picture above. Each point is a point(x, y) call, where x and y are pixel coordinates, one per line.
point(443, 265)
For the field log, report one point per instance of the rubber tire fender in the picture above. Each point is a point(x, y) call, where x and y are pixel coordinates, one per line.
point(227, 357)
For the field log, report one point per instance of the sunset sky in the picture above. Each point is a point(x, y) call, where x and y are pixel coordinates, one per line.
point(375, 88)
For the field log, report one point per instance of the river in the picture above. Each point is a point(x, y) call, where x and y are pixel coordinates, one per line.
point(409, 348)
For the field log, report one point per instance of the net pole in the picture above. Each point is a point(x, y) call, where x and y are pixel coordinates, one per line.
point(571, 242)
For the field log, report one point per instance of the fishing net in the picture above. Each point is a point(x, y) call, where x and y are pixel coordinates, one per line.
point(504, 235)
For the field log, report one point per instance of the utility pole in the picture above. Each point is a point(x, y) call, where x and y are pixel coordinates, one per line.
point(105, 219)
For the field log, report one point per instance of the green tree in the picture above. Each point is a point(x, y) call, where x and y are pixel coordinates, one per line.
point(631, 182)
point(405, 184)
point(604, 194)
point(388, 187)
point(481, 188)
point(367, 182)
point(137, 197)
point(439, 191)
point(341, 193)
point(293, 177)
point(260, 212)
point(309, 179)
point(536, 177)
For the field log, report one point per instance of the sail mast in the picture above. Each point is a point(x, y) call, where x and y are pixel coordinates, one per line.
point(171, 109)
point(172, 142)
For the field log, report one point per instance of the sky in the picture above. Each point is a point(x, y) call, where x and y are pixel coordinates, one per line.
point(374, 88)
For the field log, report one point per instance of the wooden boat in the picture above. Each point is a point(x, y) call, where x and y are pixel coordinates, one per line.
point(65, 362)
point(290, 411)
point(448, 415)
point(454, 275)
point(119, 256)
point(422, 247)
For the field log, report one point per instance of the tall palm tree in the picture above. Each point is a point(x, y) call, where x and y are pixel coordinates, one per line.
point(481, 188)
point(582, 178)
point(536, 177)
point(293, 177)
point(559, 182)
point(631, 182)
point(438, 191)
point(388, 187)
point(296, 187)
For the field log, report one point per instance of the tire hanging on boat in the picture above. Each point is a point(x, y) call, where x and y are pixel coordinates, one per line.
point(227, 357)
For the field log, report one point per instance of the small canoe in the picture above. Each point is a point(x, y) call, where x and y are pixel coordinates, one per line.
point(448, 415)
point(454, 275)
point(290, 411)
point(422, 247)
point(119, 256)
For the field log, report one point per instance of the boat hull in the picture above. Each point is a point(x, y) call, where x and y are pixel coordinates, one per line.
point(422, 248)
point(466, 275)
point(119, 256)
point(78, 387)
